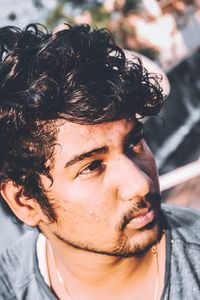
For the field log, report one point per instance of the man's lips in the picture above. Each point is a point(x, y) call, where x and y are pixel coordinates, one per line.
point(140, 219)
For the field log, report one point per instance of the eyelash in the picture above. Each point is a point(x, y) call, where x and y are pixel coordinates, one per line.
point(135, 147)
point(98, 167)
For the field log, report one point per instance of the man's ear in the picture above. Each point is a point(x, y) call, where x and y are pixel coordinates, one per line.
point(26, 209)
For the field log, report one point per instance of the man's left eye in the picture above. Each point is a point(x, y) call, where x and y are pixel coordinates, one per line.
point(95, 166)
point(136, 147)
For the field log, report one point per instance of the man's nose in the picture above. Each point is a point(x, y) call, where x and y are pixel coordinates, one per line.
point(132, 180)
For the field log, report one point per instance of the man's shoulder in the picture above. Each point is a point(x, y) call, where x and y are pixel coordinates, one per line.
point(183, 252)
point(183, 222)
point(21, 248)
point(17, 264)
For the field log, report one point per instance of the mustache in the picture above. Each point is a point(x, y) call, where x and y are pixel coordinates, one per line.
point(150, 201)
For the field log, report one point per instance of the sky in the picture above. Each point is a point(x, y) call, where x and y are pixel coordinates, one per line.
point(25, 11)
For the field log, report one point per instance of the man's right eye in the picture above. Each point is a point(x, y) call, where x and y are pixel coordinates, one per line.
point(96, 166)
point(136, 148)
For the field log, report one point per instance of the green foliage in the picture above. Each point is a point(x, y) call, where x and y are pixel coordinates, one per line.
point(99, 14)
point(58, 16)
point(101, 18)
point(132, 5)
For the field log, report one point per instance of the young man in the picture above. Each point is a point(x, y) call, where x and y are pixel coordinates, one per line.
point(74, 165)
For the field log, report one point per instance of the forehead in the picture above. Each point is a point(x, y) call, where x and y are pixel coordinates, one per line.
point(85, 137)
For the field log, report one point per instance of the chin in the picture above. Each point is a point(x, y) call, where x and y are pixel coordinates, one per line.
point(148, 239)
point(142, 241)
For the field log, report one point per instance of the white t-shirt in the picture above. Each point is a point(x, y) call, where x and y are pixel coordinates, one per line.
point(41, 250)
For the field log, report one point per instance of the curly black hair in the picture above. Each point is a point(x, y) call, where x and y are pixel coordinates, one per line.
point(78, 74)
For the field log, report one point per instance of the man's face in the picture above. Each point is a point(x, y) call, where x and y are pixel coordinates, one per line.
point(105, 189)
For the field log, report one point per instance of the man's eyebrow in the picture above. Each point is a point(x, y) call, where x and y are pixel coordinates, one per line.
point(134, 133)
point(82, 156)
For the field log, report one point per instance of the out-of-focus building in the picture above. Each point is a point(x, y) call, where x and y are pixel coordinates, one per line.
point(170, 26)
point(181, 186)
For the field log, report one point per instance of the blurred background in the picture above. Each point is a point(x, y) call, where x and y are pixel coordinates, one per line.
point(167, 32)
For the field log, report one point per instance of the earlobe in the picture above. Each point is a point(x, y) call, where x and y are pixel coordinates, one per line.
point(26, 209)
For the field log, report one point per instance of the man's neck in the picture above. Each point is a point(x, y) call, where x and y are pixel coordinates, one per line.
point(90, 274)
